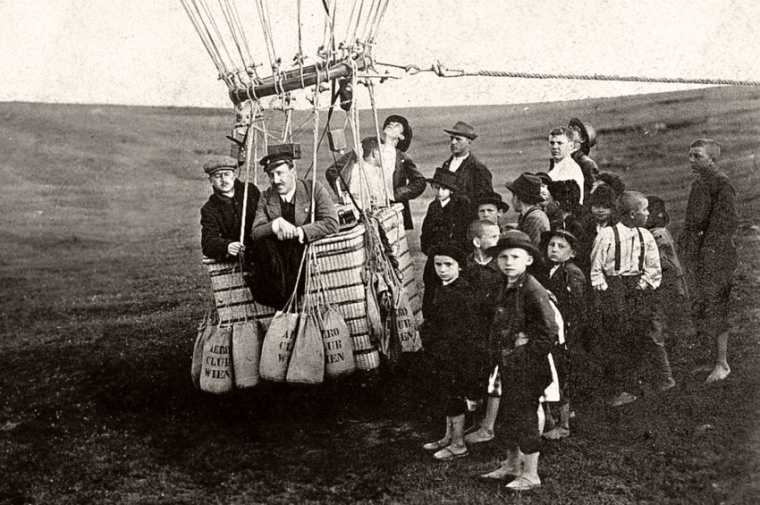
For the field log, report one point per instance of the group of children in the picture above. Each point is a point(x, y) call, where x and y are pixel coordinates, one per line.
point(502, 319)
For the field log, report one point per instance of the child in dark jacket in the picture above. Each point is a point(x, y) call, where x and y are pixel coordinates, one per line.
point(523, 334)
point(568, 285)
point(446, 222)
point(455, 352)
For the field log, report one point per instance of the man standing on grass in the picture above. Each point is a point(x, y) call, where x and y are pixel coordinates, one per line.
point(707, 247)
point(562, 166)
point(222, 214)
point(473, 177)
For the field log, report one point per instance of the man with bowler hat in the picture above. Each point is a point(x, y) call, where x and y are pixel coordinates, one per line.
point(222, 214)
point(283, 226)
point(473, 177)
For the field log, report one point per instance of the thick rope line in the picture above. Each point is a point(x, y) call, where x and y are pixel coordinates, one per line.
point(442, 71)
point(226, 9)
point(376, 27)
point(212, 23)
point(253, 72)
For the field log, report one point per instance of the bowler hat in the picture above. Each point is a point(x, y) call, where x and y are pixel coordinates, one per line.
point(220, 162)
point(527, 187)
point(463, 129)
point(403, 144)
point(657, 213)
point(560, 232)
point(445, 178)
point(271, 161)
point(587, 130)
point(493, 198)
point(602, 196)
point(450, 250)
point(514, 239)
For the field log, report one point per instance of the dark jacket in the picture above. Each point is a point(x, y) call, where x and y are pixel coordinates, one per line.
point(408, 182)
point(221, 218)
point(487, 282)
point(446, 224)
point(473, 177)
point(707, 241)
point(568, 284)
point(590, 171)
point(326, 221)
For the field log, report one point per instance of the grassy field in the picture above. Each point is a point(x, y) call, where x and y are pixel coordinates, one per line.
point(102, 289)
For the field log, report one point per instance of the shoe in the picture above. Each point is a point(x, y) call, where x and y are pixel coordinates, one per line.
point(666, 385)
point(557, 433)
point(437, 445)
point(446, 454)
point(478, 437)
point(522, 484)
point(622, 399)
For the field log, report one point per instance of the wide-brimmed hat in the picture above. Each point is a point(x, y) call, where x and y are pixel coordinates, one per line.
point(527, 187)
point(493, 198)
point(559, 232)
point(450, 250)
point(445, 178)
point(403, 144)
point(271, 161)
point(463, 129)
point(602, 196)
point(614, 181)
point(587, 130)
point(220, 162)
point(514, 239)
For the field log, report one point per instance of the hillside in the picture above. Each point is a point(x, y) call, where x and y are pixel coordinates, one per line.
point(102, 288)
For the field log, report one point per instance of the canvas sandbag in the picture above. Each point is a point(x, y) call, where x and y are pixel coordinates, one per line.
point(405, 324)
point(278, 346)
point(307, 362)
point(246, 353)
point(336, 338)
point(205, 328)
point(216, 370)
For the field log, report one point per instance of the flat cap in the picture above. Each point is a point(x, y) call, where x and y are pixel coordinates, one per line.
point(219, 162)
point(271, 161)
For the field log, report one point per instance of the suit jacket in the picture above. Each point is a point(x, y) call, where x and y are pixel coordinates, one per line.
point(221, 218)
point(408, 182)
point(473, 177)
point(269, 209)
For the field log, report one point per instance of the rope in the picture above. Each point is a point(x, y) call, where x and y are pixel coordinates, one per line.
point(371, 86)
point(442, 71)
point(316, 148)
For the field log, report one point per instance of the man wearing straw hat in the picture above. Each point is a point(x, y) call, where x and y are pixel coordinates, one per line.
point(473, 177)
point(222, 234)
point(283, 226)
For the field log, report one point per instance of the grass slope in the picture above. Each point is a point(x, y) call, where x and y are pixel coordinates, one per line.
point(102, 289)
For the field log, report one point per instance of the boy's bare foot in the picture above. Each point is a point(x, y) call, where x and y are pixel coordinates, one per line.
point(479, 436)
point(666, 385)
point(720, 372)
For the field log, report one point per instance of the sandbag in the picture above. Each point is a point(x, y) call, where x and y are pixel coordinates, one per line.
point(336, 338)
point(246, 352)
point(307, 362)
point(204, 328)
point(278, 346)
point(405, 324)
point(216, 370)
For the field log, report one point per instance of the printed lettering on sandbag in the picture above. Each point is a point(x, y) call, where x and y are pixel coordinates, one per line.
point(216, 371)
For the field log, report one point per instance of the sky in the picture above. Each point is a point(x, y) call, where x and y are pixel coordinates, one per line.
point(146, 52)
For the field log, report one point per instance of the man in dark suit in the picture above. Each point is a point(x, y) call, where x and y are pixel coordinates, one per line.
point(283, 226)
point(473, 177)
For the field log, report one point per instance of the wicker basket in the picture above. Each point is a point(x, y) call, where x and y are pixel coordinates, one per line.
point(341, 258)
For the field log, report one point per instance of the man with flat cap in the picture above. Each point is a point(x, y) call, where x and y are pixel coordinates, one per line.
point(473, 177)
point(283, 226)
point(222, 214)
point(403, 180)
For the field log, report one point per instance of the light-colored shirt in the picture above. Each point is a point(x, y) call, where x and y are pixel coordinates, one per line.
point(603, 256)
point(366, 182)
point(456, 162)
point(288, 197)
point(568, 170)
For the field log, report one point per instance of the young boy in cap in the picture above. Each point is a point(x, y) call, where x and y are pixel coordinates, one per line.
point(625, 271)
point(568, 285)
point(486, 279)
point(446, 221)
point(526, 200)
point(455, 351)
point(222, 214)
point(491, 206)
point(523, 334)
